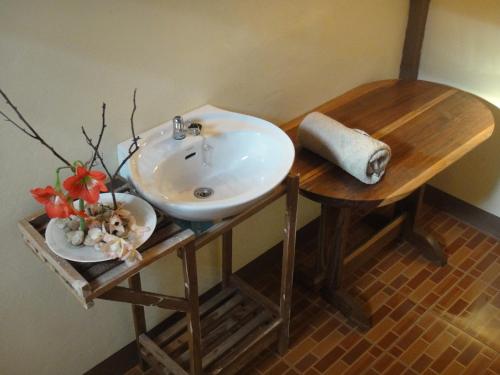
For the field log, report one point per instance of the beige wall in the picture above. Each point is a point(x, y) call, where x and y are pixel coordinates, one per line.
point(60, 59)
point(462, 48)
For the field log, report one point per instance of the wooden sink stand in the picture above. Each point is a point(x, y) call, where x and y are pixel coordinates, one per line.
point(217, 337)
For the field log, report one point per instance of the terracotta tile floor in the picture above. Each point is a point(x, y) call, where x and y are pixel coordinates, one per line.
point(427, 319)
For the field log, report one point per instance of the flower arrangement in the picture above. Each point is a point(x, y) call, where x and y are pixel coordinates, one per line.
point(109, 228)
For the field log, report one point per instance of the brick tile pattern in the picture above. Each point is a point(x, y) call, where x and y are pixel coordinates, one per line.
point(427, 319)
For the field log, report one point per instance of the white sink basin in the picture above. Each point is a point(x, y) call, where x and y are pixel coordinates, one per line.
point(215, 175)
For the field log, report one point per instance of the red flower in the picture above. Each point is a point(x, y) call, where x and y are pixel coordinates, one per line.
point(56, 204)
point(85, 185)
point(42, 195)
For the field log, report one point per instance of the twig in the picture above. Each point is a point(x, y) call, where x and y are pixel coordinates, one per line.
point(99, 156)
point(91, 164)
point(134, 146)
point(131, 151)
point(32, 132)
point(8, 119)
point(134, 138)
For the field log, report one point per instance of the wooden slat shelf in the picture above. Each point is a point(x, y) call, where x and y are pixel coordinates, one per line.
point(231, 324)
point(88, 281)
point(219, 336)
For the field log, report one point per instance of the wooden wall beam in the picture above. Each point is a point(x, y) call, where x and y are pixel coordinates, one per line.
point(414, 38)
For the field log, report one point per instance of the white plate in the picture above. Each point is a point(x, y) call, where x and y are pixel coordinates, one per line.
point(144, 214)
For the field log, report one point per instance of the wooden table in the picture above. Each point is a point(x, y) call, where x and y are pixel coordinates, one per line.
point(428, 127)
point(218, 336)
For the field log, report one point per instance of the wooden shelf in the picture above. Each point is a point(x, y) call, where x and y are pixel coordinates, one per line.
point(88, 281)
point(232, 326)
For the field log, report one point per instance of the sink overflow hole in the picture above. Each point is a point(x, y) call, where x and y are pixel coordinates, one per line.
point(189, 155)
point(203, 192)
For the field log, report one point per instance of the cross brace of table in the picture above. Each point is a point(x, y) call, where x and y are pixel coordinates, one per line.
point(332, 262)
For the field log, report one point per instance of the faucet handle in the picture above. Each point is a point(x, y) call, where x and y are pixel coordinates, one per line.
point(194, 128)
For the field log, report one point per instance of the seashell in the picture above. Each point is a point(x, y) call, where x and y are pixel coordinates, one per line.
point(123, 213)
point(106, 215)
point(75, 237)
point(102, 246)
point(116, 247)
point(62, 223)
point(73, 224)
point(93, 223)
point(95, 209)
point(94, 236)
point(131, 221)
point(125, 248)
point(115, 220)
point(116, 226)
point(118, 231)
point(132, 257)
point(109, 238)
point(136, 232)
point(89, 241)
point(111, 246)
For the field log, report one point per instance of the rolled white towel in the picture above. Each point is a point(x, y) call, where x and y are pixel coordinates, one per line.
point(353, 150)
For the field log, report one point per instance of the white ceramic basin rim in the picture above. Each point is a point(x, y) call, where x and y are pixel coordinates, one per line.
point(237, 159)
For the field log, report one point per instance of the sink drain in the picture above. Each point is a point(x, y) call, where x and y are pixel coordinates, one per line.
point(203, 192)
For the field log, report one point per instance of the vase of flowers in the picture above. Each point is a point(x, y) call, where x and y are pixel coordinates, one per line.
point(88, 223)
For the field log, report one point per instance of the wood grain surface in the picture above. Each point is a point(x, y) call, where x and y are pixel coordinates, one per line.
point(427, 125)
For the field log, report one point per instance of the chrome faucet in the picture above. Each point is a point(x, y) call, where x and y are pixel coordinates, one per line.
point(179, 128)
point(179, 131)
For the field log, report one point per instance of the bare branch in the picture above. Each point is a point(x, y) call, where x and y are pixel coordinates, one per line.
point(96, 152)
point(97, 155)
point(18, 113)
point(132, 117)
point(101, 159)
point(99, 139)
point(134, 146)
point(34, 134)
point(124, 161)
point(8, 119)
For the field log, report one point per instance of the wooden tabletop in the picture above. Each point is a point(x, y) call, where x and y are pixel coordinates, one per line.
point(427, 125)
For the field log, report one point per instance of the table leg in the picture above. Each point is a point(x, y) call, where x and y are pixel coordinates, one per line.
point(314, 277)
point(288, 262)
point(227, 257)
point(134, 282)
point(426, 242)
point(193, 314)
point(325, 238)
point(338, 220)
